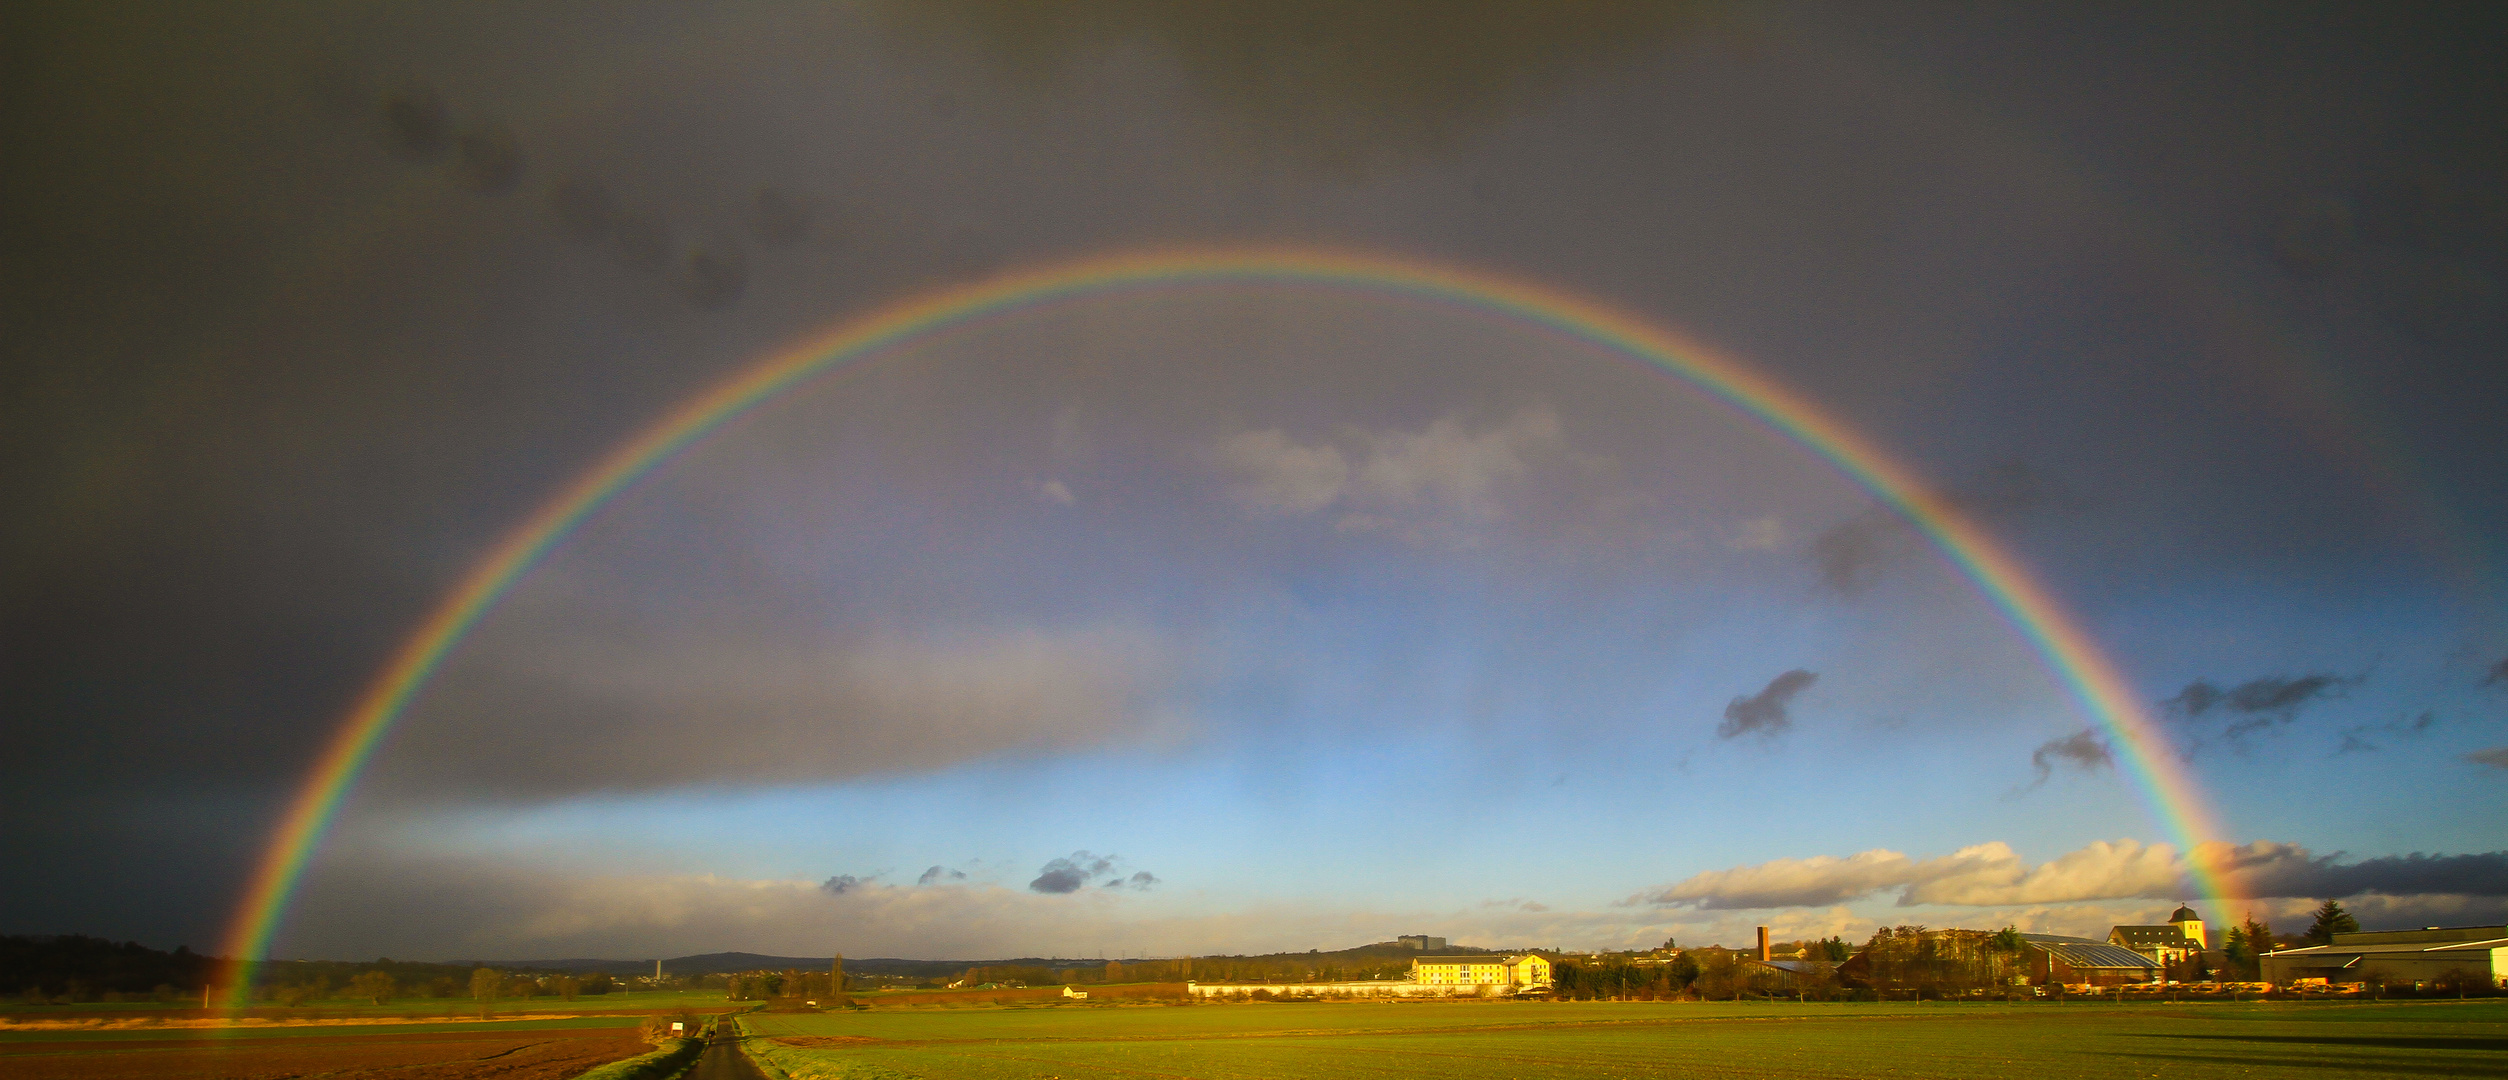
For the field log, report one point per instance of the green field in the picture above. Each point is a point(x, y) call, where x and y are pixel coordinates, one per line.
point(1475, 1040)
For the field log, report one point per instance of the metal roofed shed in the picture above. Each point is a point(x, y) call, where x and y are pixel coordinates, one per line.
point(2474, 954)
point(2057, 958)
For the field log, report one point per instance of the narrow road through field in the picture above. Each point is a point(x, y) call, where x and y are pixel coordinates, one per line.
point(722, 1060)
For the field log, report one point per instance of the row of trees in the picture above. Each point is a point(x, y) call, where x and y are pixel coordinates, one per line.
point(484, 985)
point(1915, 957)
point(788, 983)
point(1711, 973)
point(1348, 965)
point(75, 967)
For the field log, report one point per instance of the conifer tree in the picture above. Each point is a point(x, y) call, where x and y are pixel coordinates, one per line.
point(2331, 919)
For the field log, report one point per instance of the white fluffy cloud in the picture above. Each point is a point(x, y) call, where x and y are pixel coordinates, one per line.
point(1276, 475)
point(1449, 474)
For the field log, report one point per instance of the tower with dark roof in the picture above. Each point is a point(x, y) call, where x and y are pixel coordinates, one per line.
point(2191, 925)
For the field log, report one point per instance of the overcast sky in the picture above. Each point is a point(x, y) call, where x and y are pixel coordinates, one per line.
point(1246, 619)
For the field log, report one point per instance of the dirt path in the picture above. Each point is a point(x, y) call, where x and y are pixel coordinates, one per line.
point(723, 1060)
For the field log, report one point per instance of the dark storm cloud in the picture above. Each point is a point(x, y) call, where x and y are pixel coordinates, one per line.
point(1336, 85)
point(1993, 874)
point(2420, 248)
point(938, 874)
point(1764, 713)
point(1852, 555)
point(418, 124)
point(641, 240)
point(713, 275)
point(2266, 869)
point(775, 218)
point(844, 883)
point(584, 209)
point(1071, 872)
point(2083, 750)
point(420, 127)
point(615, 705)
point(490, 162)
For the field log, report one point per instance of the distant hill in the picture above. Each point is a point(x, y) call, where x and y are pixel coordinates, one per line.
point(79, 966)
point(728, 962)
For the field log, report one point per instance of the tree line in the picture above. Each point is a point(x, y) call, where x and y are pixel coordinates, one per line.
point(75, 967)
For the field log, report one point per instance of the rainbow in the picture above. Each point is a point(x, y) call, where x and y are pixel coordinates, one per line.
point(2168, 792)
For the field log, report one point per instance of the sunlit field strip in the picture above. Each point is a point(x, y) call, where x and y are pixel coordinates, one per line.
point(1470, 1040)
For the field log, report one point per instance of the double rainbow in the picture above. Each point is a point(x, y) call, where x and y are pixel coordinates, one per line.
point(2145, 755)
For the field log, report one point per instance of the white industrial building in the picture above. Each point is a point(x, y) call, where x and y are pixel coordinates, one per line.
point(2396, 956)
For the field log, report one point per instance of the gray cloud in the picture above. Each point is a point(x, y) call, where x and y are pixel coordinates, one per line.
point(1764, 713)
point(615, 706)
point(844, 883)
point(2205, 709)
point(2356, 737)
point(2083, 750)
point(939, 874)
point(1140, 881)
point(2496, 757)
point(1852, 555)
point(2498, 674)
point(1332, 86)
point(1071, 872)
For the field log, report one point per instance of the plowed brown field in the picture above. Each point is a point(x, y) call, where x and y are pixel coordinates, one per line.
point(552, 1054)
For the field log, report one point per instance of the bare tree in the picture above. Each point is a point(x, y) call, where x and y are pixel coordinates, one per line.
point(374, 986)
point(484, 984)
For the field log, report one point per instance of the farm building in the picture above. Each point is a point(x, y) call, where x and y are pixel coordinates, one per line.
point(2055, 958)
point(2436, 954)
point(1791, 974)
point(1520, 971)
point(2174, 942)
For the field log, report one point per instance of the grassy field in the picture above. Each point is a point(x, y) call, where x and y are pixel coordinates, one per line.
point(1469, 1041)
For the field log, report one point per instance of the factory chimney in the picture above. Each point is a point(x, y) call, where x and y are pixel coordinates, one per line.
point(1763, 944)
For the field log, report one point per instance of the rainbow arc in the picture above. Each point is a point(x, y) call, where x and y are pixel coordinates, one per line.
point(2144, 753)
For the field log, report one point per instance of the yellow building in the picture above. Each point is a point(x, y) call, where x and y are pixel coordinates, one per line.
point(1521, 971)
point(2176, 941)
